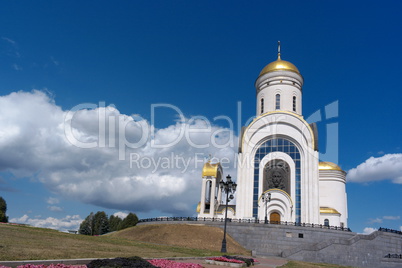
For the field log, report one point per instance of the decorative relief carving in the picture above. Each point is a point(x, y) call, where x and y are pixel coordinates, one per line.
point(277, 176)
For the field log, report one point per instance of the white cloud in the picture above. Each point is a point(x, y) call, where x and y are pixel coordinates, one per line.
point(387, 167)
point(53, 200)
point(12, 48)
point(393, 218)
point(121, 215)
point(17, 67)
point(369, 230)
point(380, 220)
point(55, 208)
point(33, 143)
point(23, 219)
point(55, 62)
point(377, 220)
point(64, 224)
point(9, 40)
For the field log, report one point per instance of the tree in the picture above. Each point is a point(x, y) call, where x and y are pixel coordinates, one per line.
point(101, 223)
point(114, 222)
point(87, 226)
point(3, 210)
point(129, 221)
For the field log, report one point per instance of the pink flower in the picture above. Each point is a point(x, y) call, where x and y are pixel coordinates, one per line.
point(162, 263)
point(59, 265)
point(224, 259)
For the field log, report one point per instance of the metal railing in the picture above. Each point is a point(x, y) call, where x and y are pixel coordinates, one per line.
point(251, 221)
point(389, 231)
point(393, 256)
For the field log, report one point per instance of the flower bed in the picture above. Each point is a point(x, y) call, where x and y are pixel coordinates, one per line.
point(161, 263)
point(248, 261)
point(233, 261)
point(226, 262)
point(59, 265)
point(225, 259)
point(119, 262)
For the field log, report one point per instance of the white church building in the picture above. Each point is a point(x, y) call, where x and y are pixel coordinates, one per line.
point(279, 177)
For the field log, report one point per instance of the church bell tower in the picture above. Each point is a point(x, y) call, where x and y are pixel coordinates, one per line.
point(279, 87)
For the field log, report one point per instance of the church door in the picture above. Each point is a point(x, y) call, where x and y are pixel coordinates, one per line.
point(275, 218)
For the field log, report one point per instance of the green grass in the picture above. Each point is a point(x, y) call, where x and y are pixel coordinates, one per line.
point(29, 243)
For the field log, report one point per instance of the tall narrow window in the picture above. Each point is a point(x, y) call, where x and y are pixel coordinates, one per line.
point(278, 102)
point(262, 105)
point(294, 103)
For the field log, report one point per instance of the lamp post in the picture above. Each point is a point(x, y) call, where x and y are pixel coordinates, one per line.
point(227, 186)
point(266, 198)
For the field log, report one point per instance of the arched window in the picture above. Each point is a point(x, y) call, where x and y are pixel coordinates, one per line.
point(262, 105)
point(326, 222)
point(208, 192)
point(278, 101)
point(294, 103)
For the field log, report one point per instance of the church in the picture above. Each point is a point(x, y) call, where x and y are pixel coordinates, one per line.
point(279, 176)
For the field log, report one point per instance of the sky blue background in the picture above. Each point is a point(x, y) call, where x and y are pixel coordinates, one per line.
point(204, 57)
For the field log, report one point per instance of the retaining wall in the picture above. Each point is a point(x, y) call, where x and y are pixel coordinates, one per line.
point(313, 244)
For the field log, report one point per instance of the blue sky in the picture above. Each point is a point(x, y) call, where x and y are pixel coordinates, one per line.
point(203, 58)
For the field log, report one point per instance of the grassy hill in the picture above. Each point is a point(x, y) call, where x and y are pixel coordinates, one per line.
point(148, 241)
point(156, 241)
point(197, 236)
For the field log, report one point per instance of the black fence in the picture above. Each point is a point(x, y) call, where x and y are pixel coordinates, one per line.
point(393, 256)
point(253, 221)
point(389, 231)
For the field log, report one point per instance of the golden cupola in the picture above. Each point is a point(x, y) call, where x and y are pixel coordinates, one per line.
point(279, 65)
point(328, 166)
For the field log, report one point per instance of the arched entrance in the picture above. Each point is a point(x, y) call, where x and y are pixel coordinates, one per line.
point(275, 218)
point(284, 158)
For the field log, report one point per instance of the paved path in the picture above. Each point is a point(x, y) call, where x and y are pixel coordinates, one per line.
point(271, 262)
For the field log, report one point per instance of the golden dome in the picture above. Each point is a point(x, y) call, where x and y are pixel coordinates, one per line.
point(210, 170)
point(279, 65)
point(328, 166)
point(328, 210)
